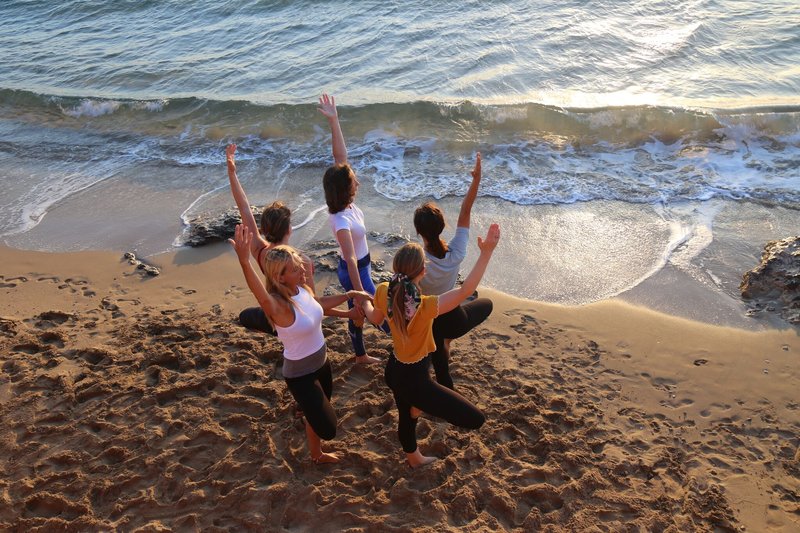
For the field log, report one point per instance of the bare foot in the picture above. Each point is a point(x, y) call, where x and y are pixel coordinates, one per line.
point(416, 459)
point(325, 458)
point(366, 359)
point(415, 412)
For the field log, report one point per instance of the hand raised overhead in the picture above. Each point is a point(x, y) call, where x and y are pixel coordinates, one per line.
point(492, 238)
point(230, 156)
point(476, 172)
point(327, 106)
point(242, 237)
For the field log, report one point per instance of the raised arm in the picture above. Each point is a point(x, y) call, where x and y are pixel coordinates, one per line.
point(327, 106)
point(452, 298)
point(257, 242)
point(472, 192)
point(241, 243)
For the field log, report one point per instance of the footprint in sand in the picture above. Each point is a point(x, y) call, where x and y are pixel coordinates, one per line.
point(77, 285)
point(50, 319)
point(53, 338)
point(185, 291)
point(10, 283)
point(8, 327)
point(47, 505)
point(28, 348)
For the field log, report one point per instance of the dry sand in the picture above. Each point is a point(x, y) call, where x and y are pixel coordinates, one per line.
point(135, 403)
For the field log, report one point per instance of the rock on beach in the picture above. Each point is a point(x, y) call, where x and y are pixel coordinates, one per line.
point(774, 285)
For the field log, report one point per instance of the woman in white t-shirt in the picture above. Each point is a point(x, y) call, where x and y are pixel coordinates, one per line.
point(276, 227)
point(441, 271)
point(296, 315)
point(347, 224)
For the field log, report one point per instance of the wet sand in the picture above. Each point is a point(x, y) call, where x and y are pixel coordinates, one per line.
point(137, 403)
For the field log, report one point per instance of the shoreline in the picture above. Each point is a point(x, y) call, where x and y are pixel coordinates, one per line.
point(685, 259)
point(605, 412)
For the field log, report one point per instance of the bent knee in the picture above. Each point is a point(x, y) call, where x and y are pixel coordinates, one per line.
point(476, 420)
point(326, 433)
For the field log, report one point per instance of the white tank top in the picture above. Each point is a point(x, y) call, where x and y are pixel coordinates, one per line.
point(304, 337)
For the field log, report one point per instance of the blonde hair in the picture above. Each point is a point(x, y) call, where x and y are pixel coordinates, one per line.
point(408, 261)
point(276, 261)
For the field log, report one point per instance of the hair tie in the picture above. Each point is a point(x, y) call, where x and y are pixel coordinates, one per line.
point(411, 298)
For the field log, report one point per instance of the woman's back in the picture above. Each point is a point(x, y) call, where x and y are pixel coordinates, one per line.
point(441, 273)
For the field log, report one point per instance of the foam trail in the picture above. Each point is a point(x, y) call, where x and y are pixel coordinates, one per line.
point(679, 234)
point(37, 202)
point(282, 176)
point(309, 217)
point(185, 215)
point(700, 236)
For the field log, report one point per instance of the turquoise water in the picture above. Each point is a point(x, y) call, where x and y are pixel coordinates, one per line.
point(124, 109)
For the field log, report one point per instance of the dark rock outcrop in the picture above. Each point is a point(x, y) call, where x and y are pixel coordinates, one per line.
point(215, 227)
point(774, 285)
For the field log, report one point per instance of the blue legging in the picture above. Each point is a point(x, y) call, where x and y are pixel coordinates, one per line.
point(365, 274)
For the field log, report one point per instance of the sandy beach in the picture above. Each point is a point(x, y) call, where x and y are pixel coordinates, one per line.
point(639, 372)
point(138, 403)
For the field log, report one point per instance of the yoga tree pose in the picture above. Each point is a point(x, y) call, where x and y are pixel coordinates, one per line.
point(411, 315)
point(294, 312)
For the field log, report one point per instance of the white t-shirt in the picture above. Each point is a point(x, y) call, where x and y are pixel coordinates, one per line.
point(351, 218)
point(304, 337)
point(441, 274)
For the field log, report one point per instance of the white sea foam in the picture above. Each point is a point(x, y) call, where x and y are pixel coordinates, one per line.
point(539, 172)
point(153, 106)
point(93, 108)
point(309, 217)
point(186, 214)
point(43, 191)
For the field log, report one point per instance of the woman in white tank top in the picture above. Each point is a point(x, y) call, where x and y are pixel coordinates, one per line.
point(290, 305)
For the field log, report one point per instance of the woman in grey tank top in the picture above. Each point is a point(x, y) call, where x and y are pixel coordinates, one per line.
point(443, 262)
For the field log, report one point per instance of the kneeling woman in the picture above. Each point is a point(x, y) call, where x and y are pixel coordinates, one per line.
point(411, 318)
point(296, 313)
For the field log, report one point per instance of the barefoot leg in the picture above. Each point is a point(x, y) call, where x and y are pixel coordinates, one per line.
point(416, 459)
point(315, 447)
point(366, 359)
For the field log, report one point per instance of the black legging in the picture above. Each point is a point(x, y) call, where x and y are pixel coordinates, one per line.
point(453, 325)
point(255, 318)
point(313, 393)
point(411, 384)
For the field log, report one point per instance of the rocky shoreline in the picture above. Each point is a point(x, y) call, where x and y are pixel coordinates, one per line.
point(774, 285)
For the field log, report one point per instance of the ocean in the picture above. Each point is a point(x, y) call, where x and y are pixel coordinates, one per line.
point(619, 138)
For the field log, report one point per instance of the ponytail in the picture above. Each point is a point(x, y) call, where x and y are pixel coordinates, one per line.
point(403, 295)
point(429, 223)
